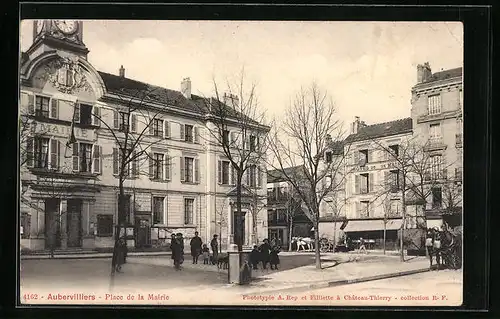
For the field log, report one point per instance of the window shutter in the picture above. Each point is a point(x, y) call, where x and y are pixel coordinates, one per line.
point(196, 170)
point(29, 151)
point(167, 167)
point(356, 184)
point(183, 174)
point(28, 102)
point(96, 115)
point(115, 119)
point(196, 133)
point(151, 127)
point(54, 154)
point(182, 132)
point(233, 174)
point(151, 166)
point(259, 177)
point(358, 212)
point(233, 139)
point(387, 180)
point(166, 129)
point(219, 172)
point(54, 108)
point(76, 115)
point(76, 160)
point(371, 182)
point(135, 164)
point(133, 125)
point(96, 156)
point(356, 157)
point(115, 161)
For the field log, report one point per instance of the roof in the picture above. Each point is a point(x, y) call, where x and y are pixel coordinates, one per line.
point(152, 93)
point(382, 129)
point(277, 175)
point(446, 74)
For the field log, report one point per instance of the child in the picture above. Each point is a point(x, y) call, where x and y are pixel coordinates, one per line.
point(254, 257)
point(206, 254)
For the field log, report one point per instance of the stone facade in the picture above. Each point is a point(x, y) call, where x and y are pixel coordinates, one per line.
point(70, 190)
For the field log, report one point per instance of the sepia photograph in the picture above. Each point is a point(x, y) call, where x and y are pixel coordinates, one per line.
point(240, 163)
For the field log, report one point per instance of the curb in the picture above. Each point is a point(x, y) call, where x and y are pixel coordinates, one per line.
point(91, 256)
point(347, 281)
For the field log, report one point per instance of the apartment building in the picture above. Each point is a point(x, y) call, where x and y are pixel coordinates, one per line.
point(437, 112)
point(373, 197)
point(76, 118)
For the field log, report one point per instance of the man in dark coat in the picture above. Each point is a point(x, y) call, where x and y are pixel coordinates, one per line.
point(195, 244)
point(254, 257)
point(176, 248)
point(265, 250)
point(215, 249)
point(119, 255)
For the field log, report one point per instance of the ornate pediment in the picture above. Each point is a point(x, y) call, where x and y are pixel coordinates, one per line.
point(66, 75)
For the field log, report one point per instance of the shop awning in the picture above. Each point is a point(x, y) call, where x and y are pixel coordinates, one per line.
point(371, 225)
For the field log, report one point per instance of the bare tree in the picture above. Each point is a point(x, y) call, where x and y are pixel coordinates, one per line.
point(311, 124)
point(413, 175)
point(221, 220)
point(257, 205)
point(235, 126)
point(135, 128)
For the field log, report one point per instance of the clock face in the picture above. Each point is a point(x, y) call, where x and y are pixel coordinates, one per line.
point(39, 26)
point(66, 26)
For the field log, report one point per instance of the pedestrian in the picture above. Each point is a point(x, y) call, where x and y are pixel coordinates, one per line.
point(362, 245)
point(175, 247)
point(119, 254)
point(180, 237)
point(206, 254)
point(215, 249)
point(265, 250)
point(274, 259)
point(195, 247)
point(254, 257)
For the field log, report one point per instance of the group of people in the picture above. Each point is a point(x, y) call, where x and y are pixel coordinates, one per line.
point(197, 249)
point(266, 253)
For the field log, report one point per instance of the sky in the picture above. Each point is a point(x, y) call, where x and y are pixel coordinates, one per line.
point(368, 68)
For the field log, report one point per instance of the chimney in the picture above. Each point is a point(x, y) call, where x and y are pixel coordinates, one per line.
point(186, 88)
point(424, 72)
point(355, 125)
point(122, 72)
point(231, 100)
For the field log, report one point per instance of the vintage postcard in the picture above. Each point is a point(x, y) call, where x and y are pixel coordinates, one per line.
point(240, 163)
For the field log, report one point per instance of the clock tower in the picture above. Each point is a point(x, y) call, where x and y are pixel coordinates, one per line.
point(64, 35)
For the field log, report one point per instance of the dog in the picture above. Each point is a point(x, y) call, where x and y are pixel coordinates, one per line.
point(223, 262)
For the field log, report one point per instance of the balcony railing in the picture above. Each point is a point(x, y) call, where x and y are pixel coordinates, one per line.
point(458, 140)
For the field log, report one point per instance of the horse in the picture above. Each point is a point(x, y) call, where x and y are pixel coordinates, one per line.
point(433, 246)
point(445, 247)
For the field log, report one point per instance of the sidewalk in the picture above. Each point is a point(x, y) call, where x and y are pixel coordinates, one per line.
point(86, 255)
point(349, 270)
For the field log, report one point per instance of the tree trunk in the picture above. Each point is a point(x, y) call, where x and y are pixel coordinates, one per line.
point(334, 235)
point(220, 235)
point(403, 224)
point(385, 232)
point(238, 237)
point(290, 230)
point(316, 243)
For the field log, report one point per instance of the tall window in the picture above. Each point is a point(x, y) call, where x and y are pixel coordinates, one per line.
point(435, 131)
point(224, 172)
point(434, 104)
point(328, 157)
point(394, 181)
point(364, 188)
point(253, 143)
point(364, 207)
point(188, 211)
point(158, 166)
point(395, 208)
point(252, 176)
point(42, 106)
point(188, 133)
point(85, 157)
point(85, 114)
point(124, 121)
point(158, 210)
point(41, 152)
point(436, 197)
point(188, 166)
point(157, 126)
point(394, 150)
point(436, 163)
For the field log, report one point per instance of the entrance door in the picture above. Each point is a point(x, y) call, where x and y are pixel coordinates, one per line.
point(241, 227)
point(142, 231)
point(52, 224)
point(74, 223)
